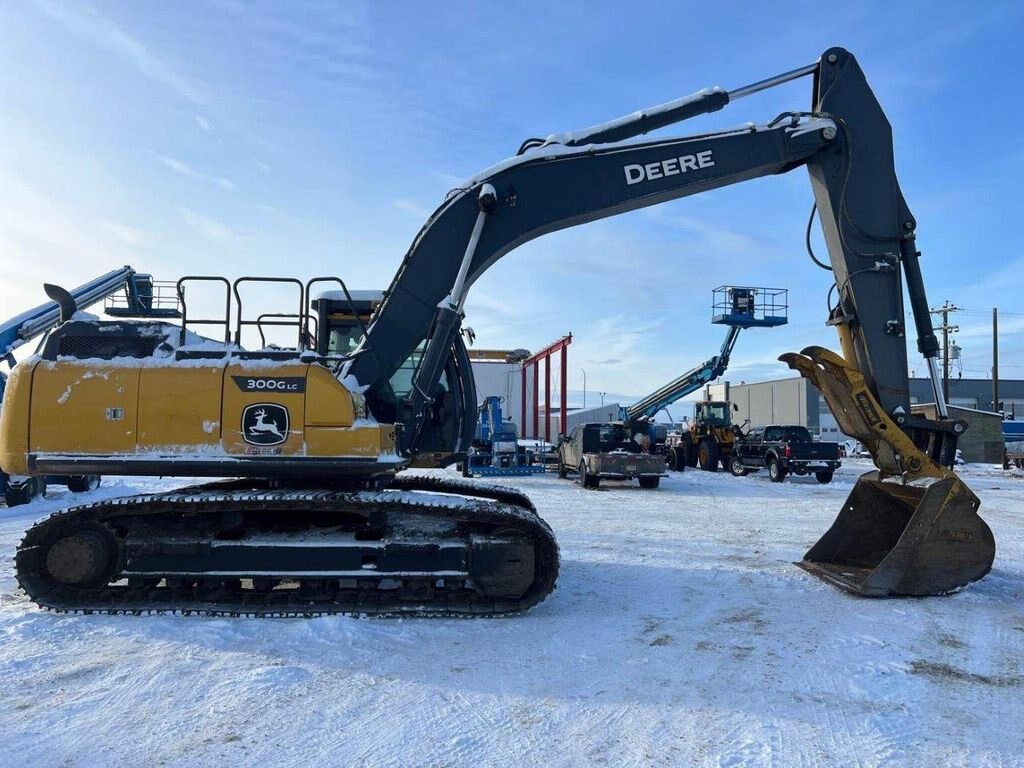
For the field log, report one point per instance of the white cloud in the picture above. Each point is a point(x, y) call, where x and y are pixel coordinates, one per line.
point(89, 24)
point(412, 207)
point(208, 227)
point(205, 124)
point(186, 170)
point(127, 234)
point(448, 178)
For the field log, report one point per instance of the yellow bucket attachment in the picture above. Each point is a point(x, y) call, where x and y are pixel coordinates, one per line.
point(909, 528)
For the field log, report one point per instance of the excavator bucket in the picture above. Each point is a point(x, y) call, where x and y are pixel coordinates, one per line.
point(895, 539)
point(909, 528)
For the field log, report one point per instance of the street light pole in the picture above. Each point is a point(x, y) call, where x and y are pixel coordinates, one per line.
point(602, 398)
point(584, 387)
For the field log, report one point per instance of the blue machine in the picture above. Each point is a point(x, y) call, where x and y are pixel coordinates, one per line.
point(496, 450)
point(138, 300)
point(736, 307)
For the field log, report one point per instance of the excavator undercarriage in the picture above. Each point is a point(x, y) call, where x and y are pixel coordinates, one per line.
point(422, 546)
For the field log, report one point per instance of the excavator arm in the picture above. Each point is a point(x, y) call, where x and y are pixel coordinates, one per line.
point(893, 537)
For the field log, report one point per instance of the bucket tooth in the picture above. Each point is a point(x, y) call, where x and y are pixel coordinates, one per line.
point(909, 528)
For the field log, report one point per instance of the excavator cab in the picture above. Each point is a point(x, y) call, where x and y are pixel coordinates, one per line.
point(342, 318)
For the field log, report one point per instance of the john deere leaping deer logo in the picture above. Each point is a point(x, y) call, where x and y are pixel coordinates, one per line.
point(265, 424)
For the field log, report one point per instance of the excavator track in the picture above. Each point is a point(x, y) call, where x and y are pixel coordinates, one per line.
point(421, 547)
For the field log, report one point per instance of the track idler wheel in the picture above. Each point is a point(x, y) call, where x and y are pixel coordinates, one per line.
point(83, 558)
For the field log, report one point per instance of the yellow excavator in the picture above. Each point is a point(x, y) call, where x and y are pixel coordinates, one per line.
point(320, 519)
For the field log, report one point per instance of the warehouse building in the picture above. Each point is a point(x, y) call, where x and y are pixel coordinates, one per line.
point(503, 379)
point(796, 401)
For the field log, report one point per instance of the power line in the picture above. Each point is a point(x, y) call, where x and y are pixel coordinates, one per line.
point(982, 313)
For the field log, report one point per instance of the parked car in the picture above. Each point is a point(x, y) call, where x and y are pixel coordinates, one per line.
point(784, 449)
point(607, 451)
point(855, 449)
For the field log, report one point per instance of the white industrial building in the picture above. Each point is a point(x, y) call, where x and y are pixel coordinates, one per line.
point(495, 377)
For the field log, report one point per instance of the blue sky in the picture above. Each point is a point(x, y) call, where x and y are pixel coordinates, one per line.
point(308, 138)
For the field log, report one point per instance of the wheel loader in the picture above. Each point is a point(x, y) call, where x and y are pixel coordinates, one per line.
point(708, 439)
point(318, 516)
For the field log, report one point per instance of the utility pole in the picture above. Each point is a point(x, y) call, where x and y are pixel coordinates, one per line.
point(995, 360)
point(946, 329)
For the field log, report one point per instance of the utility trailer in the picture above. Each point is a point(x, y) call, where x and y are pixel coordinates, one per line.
point(609, 451)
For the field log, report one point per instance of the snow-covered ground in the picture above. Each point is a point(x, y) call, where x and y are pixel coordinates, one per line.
point(679, 634)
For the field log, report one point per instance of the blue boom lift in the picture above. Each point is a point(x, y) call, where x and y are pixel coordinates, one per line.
point(139, 299)
point(736, 307)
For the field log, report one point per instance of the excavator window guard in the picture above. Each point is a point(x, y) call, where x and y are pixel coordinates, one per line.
point(345, 355)
point(309, 326)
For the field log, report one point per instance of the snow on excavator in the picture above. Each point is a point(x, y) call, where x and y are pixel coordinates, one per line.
point(322, 521)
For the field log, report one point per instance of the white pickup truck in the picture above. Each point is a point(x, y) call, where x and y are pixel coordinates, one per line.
point(607, 452)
